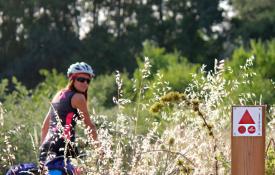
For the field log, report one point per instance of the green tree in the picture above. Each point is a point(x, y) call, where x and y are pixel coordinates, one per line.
point(45, 34)
point(167, 67)
point(253, 20)
point(37, 34)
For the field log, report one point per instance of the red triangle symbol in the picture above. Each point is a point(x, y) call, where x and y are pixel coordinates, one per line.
point(246, 118)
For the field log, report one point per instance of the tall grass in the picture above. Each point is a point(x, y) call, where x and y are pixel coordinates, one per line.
point(160, 131)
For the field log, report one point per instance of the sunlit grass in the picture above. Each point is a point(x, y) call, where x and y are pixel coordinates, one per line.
point(160, 131)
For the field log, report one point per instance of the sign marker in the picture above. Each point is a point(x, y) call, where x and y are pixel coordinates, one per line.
point(248, 140)
point(246, 118)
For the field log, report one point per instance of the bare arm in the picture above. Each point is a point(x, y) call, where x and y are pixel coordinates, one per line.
point(45, 127)
point(79, 102)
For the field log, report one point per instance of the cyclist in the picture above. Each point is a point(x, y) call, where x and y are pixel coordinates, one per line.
point(67, 106)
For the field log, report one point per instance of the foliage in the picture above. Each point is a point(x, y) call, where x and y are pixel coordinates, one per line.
point(165, 67)
point(37, 34)
point(18, 112)
point(263, 70)
point(270, 165)
point(169, 139)
point(202, 113)
point(107, 34)
point(253, 20)
point(101, 91)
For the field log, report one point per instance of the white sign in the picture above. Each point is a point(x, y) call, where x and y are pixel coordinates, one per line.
point(247, 121)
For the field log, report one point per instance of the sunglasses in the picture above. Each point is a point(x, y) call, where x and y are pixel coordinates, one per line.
point(82, 80)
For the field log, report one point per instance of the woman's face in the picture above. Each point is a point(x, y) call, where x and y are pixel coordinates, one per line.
point(81, 82)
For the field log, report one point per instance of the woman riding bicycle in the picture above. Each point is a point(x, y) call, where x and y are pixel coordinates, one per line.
point(67, 106)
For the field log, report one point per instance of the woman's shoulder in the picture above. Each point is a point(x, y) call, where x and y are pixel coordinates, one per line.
point(78, 97)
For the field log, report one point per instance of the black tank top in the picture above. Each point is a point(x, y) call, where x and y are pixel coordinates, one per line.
point(63, 114)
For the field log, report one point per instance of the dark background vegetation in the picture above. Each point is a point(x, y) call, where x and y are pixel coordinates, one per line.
point(46, 34)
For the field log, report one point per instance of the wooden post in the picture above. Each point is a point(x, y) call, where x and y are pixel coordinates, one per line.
point(248, 140)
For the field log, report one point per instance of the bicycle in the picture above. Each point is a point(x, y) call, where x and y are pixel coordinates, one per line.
point(55, 166)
